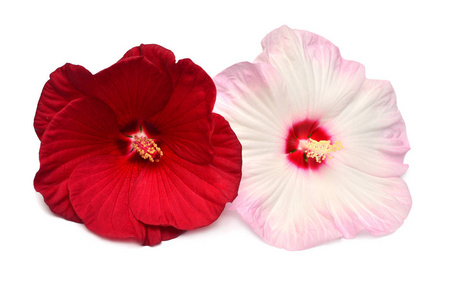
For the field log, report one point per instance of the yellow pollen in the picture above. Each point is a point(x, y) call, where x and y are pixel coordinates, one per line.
point(147, 148)
point(319, 150)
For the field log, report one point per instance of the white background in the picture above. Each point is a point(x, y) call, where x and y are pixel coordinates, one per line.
point(45, 257)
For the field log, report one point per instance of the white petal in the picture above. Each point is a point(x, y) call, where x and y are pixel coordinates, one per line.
point(321, 82)
point(359, 201)
point(296, 209)
point(281, 206)
point(253, 99)
point(372, 131)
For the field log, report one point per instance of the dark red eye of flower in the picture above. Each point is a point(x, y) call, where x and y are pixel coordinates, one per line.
point(307, 144)
point(135, 150)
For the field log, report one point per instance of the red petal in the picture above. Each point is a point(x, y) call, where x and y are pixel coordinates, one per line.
point(135, 90)
point(74, 135)
point(99, 191)
point(59, 90)
point(186, 122)
point(157, 55)
point(176, 192)
point(156, 234)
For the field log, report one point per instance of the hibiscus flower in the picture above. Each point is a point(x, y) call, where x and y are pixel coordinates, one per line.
point(135, 150)
point(323, 147)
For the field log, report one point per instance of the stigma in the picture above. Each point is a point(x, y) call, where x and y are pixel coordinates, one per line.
point(319, 150)
point(147, 148)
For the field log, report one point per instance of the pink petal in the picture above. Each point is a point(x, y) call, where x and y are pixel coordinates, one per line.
point(261, 86)
point(372, 131)
point(313, 70)
point(249, 97)
point(281, 207)
point(295, 211)
point(364, 202)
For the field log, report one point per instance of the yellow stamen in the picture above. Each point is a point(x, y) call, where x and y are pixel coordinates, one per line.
point(147, 148)
point(319, 149)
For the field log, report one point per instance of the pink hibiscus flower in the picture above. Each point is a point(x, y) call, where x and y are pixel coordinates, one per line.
point(323, 146)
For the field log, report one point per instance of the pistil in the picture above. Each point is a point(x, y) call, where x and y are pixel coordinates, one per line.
point(319, 149)
point(147, 148)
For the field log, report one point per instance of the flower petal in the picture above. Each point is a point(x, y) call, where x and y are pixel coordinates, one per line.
point(372, 131)
point(253, 98)
point(262, 88)
point(178, 193)
point(135, 90)
point(74, 135)
point(320, 81)
point(293, 209)
point(59, 90)
point(99, 192)
point(278, 202)
point(186, 121)
point(159, 56)
point(358, 201)
point(157, 234)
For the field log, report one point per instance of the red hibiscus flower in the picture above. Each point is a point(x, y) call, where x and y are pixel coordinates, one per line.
point(135, 151)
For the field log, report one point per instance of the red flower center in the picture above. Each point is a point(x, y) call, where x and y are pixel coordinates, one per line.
point(147, 148)
point(308, 145)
